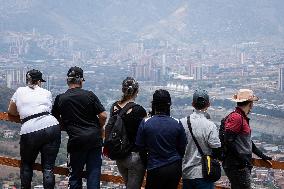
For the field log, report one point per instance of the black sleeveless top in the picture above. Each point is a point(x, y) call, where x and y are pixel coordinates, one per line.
point(132, 120)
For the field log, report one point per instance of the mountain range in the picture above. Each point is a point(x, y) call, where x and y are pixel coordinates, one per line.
point(177, 21)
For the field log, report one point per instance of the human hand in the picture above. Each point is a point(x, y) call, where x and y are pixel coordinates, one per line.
point(269, 163)
point(105, 152)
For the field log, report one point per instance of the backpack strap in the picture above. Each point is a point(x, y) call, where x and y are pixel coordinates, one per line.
point(112, 111)
point(193, 137)
point(116, 105)
point(127, 107)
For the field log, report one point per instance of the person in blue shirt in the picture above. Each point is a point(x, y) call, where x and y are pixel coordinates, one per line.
point(164, 138)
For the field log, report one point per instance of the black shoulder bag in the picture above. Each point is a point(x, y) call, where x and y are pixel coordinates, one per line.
point(211, 168)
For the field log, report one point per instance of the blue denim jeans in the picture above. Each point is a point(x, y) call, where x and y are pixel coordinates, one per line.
point(93, 161)
point(47, 142)
point(198, 183)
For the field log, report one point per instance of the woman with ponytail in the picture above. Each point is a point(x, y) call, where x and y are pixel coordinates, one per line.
point(132, 167)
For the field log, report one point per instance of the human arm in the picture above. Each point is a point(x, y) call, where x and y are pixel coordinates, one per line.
point(140, 137)
point(55, 111)
point(12, 109)
point(214, 141)
point(233, 129)
point(99, 109)
point(181, 141)
point(102, 118)
point(55, 108)
point(259, 153)
point(140, 144)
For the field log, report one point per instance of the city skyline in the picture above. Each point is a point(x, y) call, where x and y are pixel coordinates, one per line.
point(220, 46)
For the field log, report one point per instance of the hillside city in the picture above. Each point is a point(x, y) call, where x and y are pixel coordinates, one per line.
point(155, 64)
point(177, 45)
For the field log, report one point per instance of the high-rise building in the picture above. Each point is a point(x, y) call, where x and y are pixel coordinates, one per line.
point(281, 79)
point(190, 69)
point(242, 58)
point(157, 74)
point(15, 78)
point(164, 64)
point(198, 73)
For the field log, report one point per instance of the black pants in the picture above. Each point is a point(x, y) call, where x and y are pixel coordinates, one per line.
point(239, 178)
point(166, 177)
point(47, 142)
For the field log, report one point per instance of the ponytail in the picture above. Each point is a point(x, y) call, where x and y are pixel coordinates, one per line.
point(129, 89)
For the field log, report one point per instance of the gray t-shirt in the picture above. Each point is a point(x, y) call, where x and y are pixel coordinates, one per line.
point(205, 131)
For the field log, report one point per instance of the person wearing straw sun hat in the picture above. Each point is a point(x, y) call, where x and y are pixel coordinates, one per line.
point(244, 95)
point(238, 144)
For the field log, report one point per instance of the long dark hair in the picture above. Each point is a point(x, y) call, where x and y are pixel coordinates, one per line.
point(129, 88)
point(161, 103)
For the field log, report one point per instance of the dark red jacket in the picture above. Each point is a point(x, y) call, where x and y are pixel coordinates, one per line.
point(238, 122)
point(238, 140)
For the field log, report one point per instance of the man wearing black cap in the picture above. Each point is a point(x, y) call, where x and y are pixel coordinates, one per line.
point(82, 115)
point(34, 75)
point(207, 137)
point(40, 131)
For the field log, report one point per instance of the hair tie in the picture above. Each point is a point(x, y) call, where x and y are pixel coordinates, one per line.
point(130, 90)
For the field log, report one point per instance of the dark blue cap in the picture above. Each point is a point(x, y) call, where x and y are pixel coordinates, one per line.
point(200, 95)
point(34, 75)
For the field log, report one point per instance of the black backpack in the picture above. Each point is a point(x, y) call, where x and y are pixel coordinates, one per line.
point(222, 136)
point(116, 140)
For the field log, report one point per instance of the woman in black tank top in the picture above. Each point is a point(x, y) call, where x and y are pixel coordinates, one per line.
point(132, 167)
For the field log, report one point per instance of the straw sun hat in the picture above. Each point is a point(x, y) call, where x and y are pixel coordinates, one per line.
point(244, 95)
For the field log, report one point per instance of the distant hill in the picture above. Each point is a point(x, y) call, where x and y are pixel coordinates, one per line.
point(5, 96)
point(179, 21)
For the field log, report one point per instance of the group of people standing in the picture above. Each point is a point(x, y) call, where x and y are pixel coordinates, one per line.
point(159, 143)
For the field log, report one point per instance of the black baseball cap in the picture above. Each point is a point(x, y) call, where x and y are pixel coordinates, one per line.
point(35, 75)
point(162, 96)
point(75, 72)
point(200, 95)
